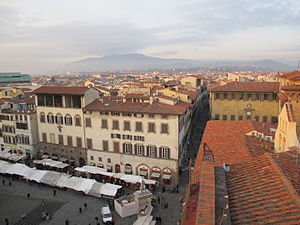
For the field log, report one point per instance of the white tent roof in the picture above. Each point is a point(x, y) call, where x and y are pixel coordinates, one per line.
point(4, 166)
point(86, 185)
point(62, 180)
point(90, 169)
point(109, 189)
point(18, 169)
point(35, 175)
point(131, 178)
point(95, 189)
point(53, 163)
point(51, 178)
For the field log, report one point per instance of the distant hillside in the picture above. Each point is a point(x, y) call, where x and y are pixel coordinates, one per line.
point(139, 62)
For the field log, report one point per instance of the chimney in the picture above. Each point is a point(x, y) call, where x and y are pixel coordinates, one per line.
point(152, 99)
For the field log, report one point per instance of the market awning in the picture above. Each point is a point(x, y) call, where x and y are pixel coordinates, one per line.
point(155, 175)
point(143, 172)
point(128, 170)
point(166, 176)
point(54, 157)
point(63, 159)
point(45, 156)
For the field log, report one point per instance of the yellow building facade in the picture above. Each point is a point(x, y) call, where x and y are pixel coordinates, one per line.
point(245, 101)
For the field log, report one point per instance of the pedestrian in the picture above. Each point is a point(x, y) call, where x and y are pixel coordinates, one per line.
point(54, 192)
point(9, 183)
point(3, 182)
point(158, 200)
point(166, 205)
point(163, 189)
point(67, 222)
point(28, 195)
point(6, 221)
point(96, 218)
point(85, 205)
point(80, 210)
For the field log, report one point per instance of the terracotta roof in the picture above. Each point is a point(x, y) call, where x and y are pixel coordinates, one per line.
point(259, 193)
point(289, 162)
point(134, 95)
point(282, 97)
point(290, 112)
point(138, 107)
point(292, 87)
point(166, 97)
point(228, 142)
point(295, 75)
point(248, 87)
point(61, 90)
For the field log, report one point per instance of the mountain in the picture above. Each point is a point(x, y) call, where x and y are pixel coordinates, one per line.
point(139, 62)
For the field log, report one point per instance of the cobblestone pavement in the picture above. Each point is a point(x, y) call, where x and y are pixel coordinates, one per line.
point(14, 202)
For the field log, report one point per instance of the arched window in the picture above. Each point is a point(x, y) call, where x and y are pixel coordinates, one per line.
point(59, 119)
point(42, 117)
point(77, 121)
point(50, 118)
point(68, 120)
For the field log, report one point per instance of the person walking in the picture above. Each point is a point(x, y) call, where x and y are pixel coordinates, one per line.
point(85, 205)
point(67, 222)
point(3, 182)
point(54, 192)
point(28, 195)
point(158, 200)
point(163, 189)
point(80, 210)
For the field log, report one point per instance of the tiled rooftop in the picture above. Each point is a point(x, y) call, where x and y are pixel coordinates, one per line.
point(295, 75)
point(248, 87)
point(61, 90)
point(259, 193)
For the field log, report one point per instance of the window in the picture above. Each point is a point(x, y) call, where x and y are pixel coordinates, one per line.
point(164, 116)
point(104, 113)
point(217, 95)
point(224, 117)
point(165, 152)
point(70, 140)
point(249, 96)
point(266, 97)
point(116, 146)
point(225, 95)
point(126, 136)
point(115, 125)
point(217, 117)
point(139, 138)
point(257, 96)
point(44, 137)
point(92, 157)
point(100, 159)
point(88, 122)
point(60, 139)
point(78, 141)
point(89, 143)
point(21, 117)
point(41, 100)
point(232, 95)
point(108, 161)
point(265, 119)
point(151, 127)
point(256, 118)
point(57, 100)
point(274, 96)
point(240, 117)
point(241, 96)
point(59, 119)
point(151, 151)
point(139, 126)
point(105, 145)
point(104, 124)
point(25, 117)
point(248, 117)
point(127, 114)
point(139, 149)
point(274, 119)
point(77, 121)
point(127, 148)
point(68, 120)
point(115, 114)
point(52, 138)
point(42, 118)
point(164, 128)
point(116, 136)
point(232, 117)
point(50, 118)
point(127, 125)
point(151, 115)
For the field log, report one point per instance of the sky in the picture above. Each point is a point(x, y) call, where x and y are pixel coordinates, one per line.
point(41, 35)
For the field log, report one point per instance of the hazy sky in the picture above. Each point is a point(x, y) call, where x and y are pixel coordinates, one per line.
point(41, 35)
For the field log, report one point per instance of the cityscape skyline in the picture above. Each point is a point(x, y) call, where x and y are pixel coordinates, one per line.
point(42, 36)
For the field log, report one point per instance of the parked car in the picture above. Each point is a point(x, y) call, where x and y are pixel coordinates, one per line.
point(106, 215)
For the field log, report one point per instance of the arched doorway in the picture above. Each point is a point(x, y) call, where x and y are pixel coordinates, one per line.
point(81, 162)
point(143, 171)
point(128, 168)
point(117, 168)
point(167, 176)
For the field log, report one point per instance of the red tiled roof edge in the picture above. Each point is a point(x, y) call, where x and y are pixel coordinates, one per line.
point(290, 112)
point(288, 184)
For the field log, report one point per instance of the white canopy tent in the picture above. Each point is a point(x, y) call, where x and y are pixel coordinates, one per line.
point(51, 178)
point(18, 169)
point(109, 189)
